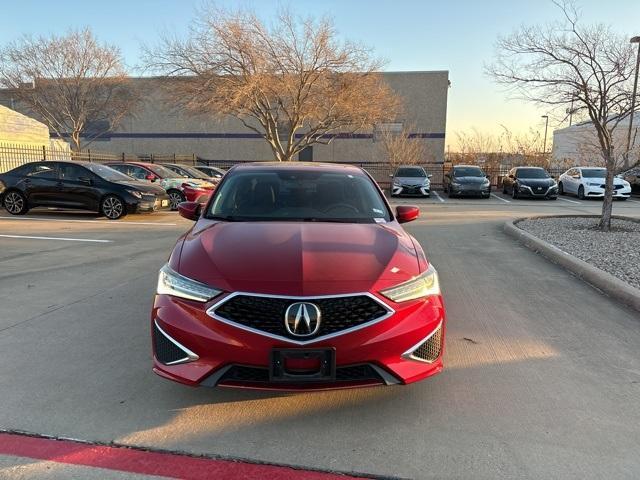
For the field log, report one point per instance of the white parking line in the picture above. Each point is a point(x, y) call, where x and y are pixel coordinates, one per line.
point(438, 196)
point(57, 238)
point(111, 222)
point(500, 198)
point(570, 201)
point(632, 201)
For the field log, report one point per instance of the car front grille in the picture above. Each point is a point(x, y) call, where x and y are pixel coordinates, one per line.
point(255, 375)
point(267, 314)
point(615, 187)
point(429, 351)
point(166, 351)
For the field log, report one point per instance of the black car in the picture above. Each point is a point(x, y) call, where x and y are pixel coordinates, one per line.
point(532, 182)
point(78, 185)
point(213, 172)
point(466, 180)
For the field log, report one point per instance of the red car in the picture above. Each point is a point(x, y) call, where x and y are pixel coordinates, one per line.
point(297, 277)
point(178, 187)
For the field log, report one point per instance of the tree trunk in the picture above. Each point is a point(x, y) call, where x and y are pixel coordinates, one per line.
point(75, 141)
point(607, 201)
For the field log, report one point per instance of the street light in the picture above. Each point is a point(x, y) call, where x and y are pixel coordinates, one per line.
point(546, 125)
point(633, 96)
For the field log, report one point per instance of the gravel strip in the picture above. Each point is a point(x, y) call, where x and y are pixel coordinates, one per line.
point(616, 252)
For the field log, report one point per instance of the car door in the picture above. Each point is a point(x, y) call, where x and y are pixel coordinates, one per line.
point(78, 186)
point(568, 181)
point(40, 183)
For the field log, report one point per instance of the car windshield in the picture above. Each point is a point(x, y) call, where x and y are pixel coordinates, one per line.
point(467, 172)
point(194, 172)
point(410, 172)
point(163, 172)
point(594, 172)
point(108, 173)
point(531, 173)
point(298, 195)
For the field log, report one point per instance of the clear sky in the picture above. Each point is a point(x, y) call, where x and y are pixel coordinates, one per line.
point(457, 36)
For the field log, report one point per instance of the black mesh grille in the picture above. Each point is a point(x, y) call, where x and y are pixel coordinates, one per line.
point(239, 373)
point(166, 351)
point(267, 313)
point(430, 350)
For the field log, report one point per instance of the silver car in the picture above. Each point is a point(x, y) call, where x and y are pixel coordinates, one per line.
point(410, 180)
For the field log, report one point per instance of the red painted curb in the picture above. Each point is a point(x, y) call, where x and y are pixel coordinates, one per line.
point(149, 463)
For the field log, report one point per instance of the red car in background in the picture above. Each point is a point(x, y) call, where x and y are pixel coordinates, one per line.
point(297, 277)
point(178, 187)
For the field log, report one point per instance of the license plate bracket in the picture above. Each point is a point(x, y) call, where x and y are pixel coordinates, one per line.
point(325, 371)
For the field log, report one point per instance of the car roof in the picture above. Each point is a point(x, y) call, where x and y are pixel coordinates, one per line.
point(524, 166)
point(467, 166)
point(284, 166)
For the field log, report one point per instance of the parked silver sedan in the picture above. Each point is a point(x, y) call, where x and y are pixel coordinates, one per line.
point(410, 180)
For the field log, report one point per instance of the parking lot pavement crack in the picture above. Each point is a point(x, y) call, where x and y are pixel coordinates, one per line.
point(74, 302)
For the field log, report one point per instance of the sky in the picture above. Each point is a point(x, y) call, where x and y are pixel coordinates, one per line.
point(457, 36)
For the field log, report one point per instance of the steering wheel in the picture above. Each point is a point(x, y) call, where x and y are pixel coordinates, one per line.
point(336, 206)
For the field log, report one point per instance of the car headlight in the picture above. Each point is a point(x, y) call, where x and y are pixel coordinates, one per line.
point(396, 183)
point(172, 283)
point(456, 184)
point(523, 187)
point(426, 182)
point(135, 193)
point(592, 184)
point(486, 181)
point(423, 285)
point(626, 184)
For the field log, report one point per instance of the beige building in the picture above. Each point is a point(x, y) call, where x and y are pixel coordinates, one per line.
point(157, 128)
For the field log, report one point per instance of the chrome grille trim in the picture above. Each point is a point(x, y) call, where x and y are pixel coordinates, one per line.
point(408, 355)
point(190, 356)
point(211, 312)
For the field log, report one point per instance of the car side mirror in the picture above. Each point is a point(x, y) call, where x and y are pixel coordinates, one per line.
point(85, 180)
point(407, 213)
point(430, 175)
point(190, 210)
point(391, 176)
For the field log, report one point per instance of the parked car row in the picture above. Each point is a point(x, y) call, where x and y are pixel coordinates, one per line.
point(113, 189)
point(520, 182)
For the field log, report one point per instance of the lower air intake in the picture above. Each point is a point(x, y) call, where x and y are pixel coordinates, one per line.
point(429, 351)
point(166, 350)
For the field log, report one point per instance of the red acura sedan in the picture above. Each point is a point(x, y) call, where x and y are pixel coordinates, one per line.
point(297, 277)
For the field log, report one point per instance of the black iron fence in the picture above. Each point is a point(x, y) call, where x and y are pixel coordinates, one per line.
point(12, 156)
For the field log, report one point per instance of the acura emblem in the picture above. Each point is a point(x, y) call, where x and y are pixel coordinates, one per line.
point(302, 319)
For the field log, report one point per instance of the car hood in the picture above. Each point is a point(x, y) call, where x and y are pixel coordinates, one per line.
point(412, 180)
point(300, 259)
point(142, 186)
point(536, 182)
point(469, 180)
point(176, 182)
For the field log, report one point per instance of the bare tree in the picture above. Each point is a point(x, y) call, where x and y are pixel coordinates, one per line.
point(293, 83)
point(76, 85)
point(593, 66)
point(400, 147)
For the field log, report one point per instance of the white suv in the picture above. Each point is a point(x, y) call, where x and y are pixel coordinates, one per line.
point(588, 182)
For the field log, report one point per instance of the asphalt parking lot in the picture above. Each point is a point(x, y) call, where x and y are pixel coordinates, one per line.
point(541, 380)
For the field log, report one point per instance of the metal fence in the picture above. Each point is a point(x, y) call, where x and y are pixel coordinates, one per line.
point(12, 156)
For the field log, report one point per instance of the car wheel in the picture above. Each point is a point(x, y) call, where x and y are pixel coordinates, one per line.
point(514, 191)
point(622, 199)
point(175, 197)
point(581, 192)
point(15, 203)
point(560, 189)
point(504, 189)
point(112, 207)
point(553, 198)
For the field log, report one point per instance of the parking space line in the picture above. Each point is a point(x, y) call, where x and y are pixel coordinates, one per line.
point(500, 198)
point(632, 201)
point(438, 196)
point(570, 201)
point(65, 239)
point(111, 222)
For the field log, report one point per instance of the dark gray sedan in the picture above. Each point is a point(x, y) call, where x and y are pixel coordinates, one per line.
point(467, 180)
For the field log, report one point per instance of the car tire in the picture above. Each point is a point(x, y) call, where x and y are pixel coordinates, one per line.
point(581, 192)
point(514, 191)
point(504, 189)
point(113, 207)
point(15, 202)
point(560, 189)
point(175, 197)
point(623, 199)
point(553, 198)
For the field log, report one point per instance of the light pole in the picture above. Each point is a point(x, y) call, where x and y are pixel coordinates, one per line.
point(546, 125)
point(633, 96)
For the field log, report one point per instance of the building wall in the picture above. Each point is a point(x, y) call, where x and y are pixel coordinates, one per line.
point(16, 128)
point(158, 128)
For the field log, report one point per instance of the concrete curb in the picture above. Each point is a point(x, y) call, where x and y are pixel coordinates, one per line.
point(612, 286)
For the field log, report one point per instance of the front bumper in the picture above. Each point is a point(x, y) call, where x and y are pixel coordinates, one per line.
point(412, 190)
point(598, 192)
point(221, 354)
point(470, 190)
point(200, 195)
point(150, 203)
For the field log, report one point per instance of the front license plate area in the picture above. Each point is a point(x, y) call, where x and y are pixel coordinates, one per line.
point(302, 365)
point(165, 203)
